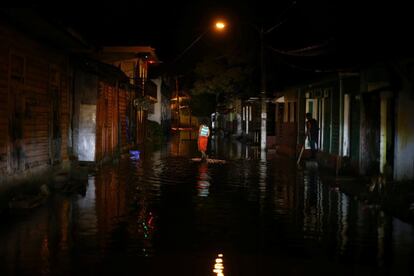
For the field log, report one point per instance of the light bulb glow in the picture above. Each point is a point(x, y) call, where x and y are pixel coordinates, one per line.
point(219, 266)
point(220, 25)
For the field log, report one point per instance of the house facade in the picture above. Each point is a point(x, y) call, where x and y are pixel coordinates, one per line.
point(135, 62)
point(160, 111)
point(59, 103)
point(363, 117)
point(35, 94)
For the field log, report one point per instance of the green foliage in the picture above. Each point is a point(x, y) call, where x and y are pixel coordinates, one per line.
point(228, 76)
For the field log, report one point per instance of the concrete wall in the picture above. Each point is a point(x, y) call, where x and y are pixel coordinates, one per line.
point(156, 115)
point(404, 135)
point(165, 109)
point(84, 117)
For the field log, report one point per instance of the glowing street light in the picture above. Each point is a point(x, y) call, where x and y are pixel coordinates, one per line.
point(220, 25)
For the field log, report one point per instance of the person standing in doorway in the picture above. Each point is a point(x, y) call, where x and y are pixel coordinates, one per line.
point(312, 130)
point(203, 134)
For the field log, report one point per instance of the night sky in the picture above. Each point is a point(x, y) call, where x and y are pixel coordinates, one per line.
point(338, 33)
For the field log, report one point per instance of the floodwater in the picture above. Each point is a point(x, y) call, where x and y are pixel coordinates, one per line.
point(162, 214)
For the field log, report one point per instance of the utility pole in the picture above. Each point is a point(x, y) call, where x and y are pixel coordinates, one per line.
point(263, 99)
point(178, 103)
point(263, 117)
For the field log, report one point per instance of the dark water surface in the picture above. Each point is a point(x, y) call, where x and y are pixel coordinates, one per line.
point(165, 215)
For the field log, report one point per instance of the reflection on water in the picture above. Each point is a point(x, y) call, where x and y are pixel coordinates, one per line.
point(203, 183)
point(183, 143)
point(86, 206)
point(162, 213)
point(313, 209)
point(219, 265)
point(262, 179)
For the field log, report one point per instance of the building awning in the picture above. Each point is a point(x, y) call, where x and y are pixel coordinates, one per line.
point(279, 100)
point(106, 71)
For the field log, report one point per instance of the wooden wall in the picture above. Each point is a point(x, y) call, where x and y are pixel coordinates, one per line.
point(34, 104)
point(113, 135)
point(125, 133)
point(107, 121)
point(109, 127)
point(4, 70)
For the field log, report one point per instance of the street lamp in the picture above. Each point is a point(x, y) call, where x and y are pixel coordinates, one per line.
point(219, 25)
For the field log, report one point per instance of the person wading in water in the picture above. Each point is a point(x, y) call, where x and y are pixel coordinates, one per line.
point(312, 130)
point(203, 134)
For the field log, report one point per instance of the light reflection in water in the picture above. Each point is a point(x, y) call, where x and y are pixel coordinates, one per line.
point(313, 207)
point(183, 143)
point(219, 265)
point(145, 216)
point(262, 181)
point(64, 219)
point(203, 182)
point(88, 219)
point(130, 213)
point(45, 255)
point(381, 237)
point(343, 203)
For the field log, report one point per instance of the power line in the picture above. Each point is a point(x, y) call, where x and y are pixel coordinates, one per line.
point(309, 51)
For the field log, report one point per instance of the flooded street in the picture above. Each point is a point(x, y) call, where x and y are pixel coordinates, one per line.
point(163, 214)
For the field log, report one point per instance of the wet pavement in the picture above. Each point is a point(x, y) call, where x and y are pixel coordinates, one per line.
point(162, 214)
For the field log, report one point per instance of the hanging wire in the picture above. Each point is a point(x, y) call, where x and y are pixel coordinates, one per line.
point(309, 51)
point(188, 48)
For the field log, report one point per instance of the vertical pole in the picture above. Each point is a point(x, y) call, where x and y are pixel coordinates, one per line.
point(383, 131)
point(249, 115)
point(177, 103)
point(346, 149)
point(299, 139)
point(263, 118)
point(331, 122)
point(341, 116)
point(322, 131)
point(191, 127)
point(136, 96)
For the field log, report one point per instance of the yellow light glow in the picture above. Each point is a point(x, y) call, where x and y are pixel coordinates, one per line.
point(220, 25)
point(219, 266)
